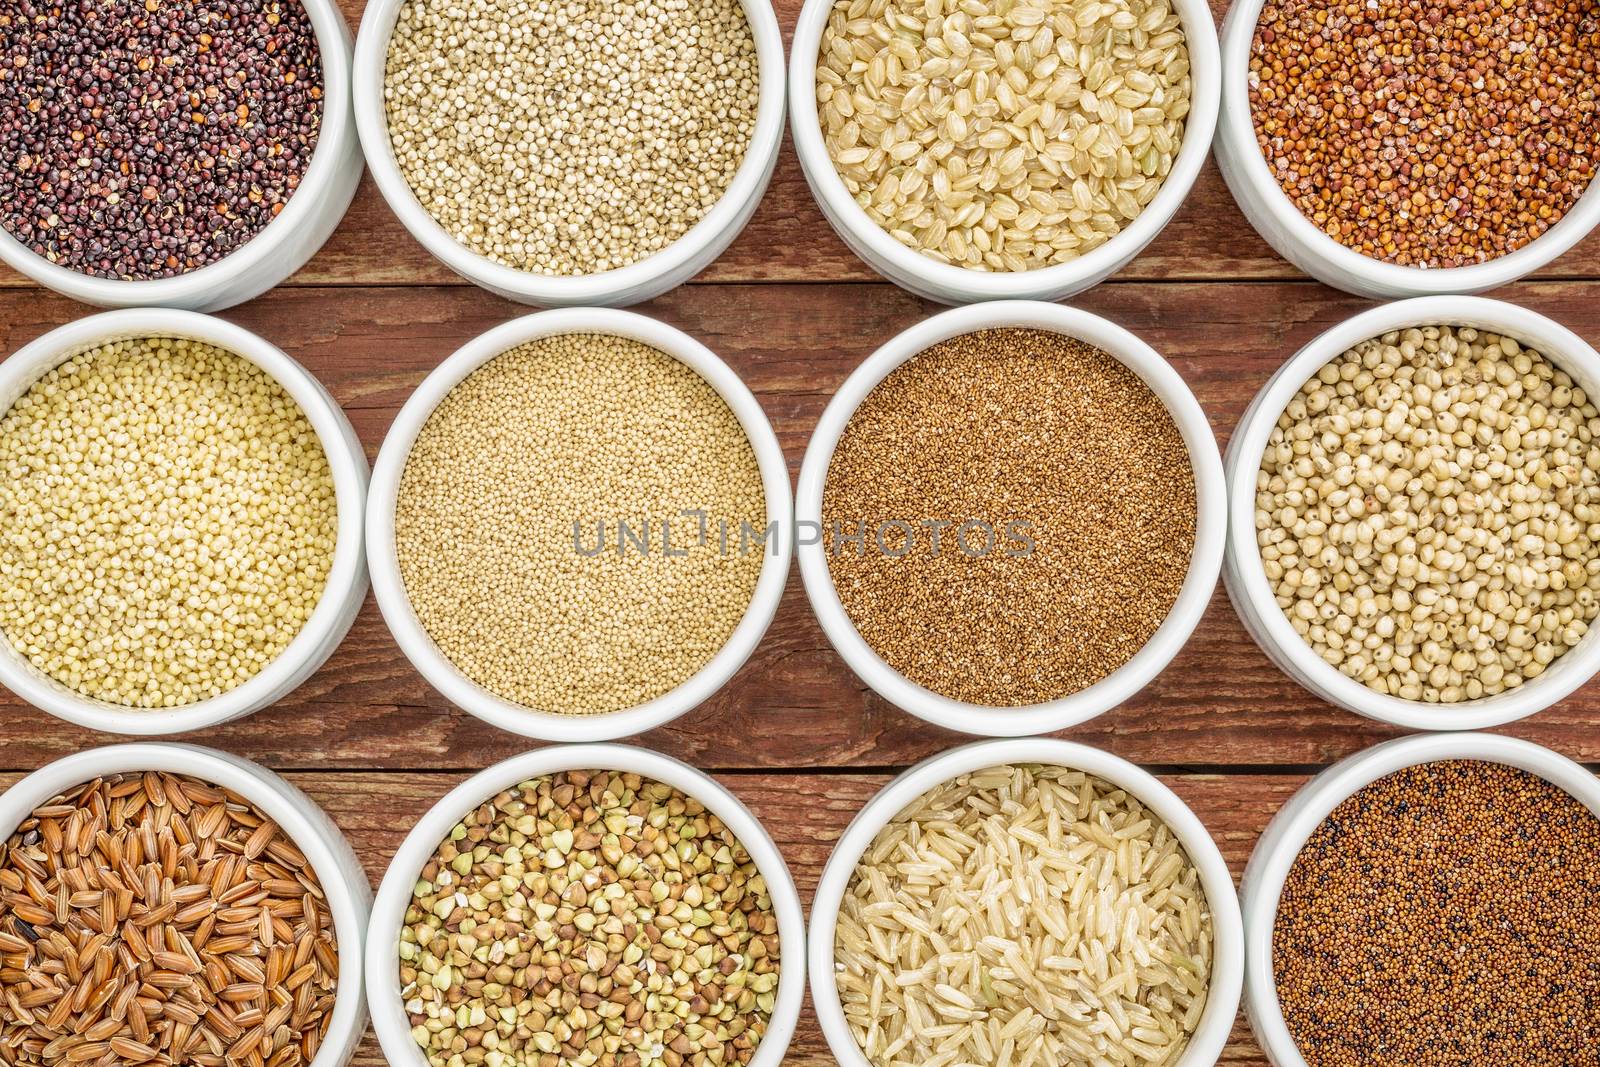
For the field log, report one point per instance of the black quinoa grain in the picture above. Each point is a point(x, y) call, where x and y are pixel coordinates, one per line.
point(1444, 916)
point(143, 139)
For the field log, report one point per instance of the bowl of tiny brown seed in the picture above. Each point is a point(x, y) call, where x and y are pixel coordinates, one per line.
point(1429, 901)
point(173, 153)
point(165, 903)
point(181, 518)
point(578, 527)
point(1412, 507)
point(592, 904)
point(568, 155)
point(1010, 517)
point(1409, 149)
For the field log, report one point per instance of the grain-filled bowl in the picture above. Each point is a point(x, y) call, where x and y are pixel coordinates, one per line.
point(1370, 262)
point(1079, 217)
point(226, 885)
point(622, 225)
point(934, 842)
point(1482, 614)
point(579, 525)
point(1438, 820)
point(245, 181)
point(1010, 517)
point(630, 868)
point(183, 522)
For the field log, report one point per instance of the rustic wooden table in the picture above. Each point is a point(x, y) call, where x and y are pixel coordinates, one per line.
point(795, 734)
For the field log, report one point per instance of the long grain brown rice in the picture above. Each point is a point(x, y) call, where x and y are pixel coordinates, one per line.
point(1003, 135)
point(1024, 916)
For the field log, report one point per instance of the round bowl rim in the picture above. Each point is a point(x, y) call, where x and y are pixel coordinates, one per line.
point(389, 1020)
point(347, 571)
point(1205, 96)
point(1249, 580)
point(1227, 967)
point(749, 180)
point(1205, 561)
point(389, 588)
point(336, 131)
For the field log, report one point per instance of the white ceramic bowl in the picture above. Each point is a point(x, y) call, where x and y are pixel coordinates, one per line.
point(949, 284)
point(1295, 238)
point(344, 883)
point(633, 284)
point(283, 247)
point(389, 1017)
point(390, 591)
point(1227, 967)
point(1246, 580)
point(1287, 833)
point(1193, 597)
point(347, 579)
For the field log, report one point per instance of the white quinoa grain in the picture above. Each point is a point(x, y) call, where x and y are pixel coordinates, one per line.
point(1428, 513)
point(167, 522)
point(568, 137)
point(579, 429)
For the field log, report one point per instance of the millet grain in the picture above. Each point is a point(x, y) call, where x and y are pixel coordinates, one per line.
point(155, 918)
point(167, 522)
point(1446, 914)
point(147, 138)
point(590, 918)
point(1429, 134)
point(579, 429)
point(1002, 426)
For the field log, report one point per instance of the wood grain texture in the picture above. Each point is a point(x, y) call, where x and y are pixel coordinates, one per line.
point(788, 240)
point(795, 704)
point(804, 813)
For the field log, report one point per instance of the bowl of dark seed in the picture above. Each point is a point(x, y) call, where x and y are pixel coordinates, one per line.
point(1408, 148)
point(1412, 509)
point(1429, 901)
point(165, 903)
point(173, 153)
point(590, 904)
point(569, 155)
point(1011, 517)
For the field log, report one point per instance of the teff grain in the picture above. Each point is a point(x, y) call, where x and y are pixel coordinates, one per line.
point(569, 137)
point(497, 512)
point(590, 918)
point(167, 522)
point(1446, 914)
point(1029, 434)
point(159, 919)
point(1426, 512)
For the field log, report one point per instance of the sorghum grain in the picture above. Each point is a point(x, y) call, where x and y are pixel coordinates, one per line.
point(1427, 512)
point(1072, 476)
point(1024, 915)
point(525, 469)
point(591, 918)
point(1003, 135)
point(146, 138)
point(570, 136)
point(1447, 914)
point(160, 919)
point(1430, 134)
point(167, 522)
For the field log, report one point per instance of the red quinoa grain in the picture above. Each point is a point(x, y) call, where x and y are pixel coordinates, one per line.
point(1429, 134)
point(1445, 915)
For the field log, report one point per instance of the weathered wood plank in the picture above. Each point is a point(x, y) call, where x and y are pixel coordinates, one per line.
point(805, 815)
point(795, 704)
point(789, 241)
